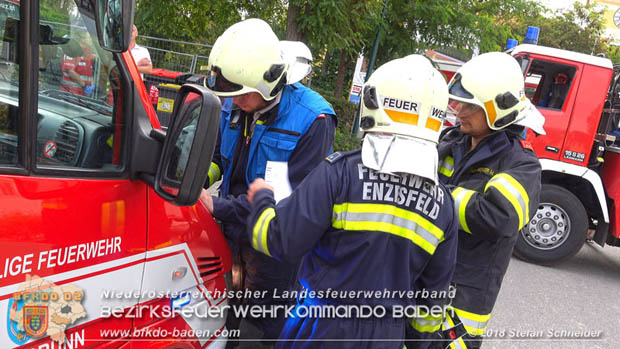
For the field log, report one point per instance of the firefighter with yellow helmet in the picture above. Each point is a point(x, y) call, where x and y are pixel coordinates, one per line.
point(373, 219)
point(494, 176)
point(266, 120)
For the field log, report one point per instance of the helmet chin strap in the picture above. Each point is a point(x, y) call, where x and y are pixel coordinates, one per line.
point(279, 86)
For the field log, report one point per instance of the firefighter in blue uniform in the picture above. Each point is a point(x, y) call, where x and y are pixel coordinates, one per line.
point(263, 120)
point(373, 219)
point(494, 177)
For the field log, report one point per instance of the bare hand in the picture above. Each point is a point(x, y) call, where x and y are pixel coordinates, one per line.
point(207, 200)
point(257, 185)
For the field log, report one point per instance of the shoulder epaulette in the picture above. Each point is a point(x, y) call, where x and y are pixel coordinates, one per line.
point(339, 155)
point(333, 157)
point(526, 145)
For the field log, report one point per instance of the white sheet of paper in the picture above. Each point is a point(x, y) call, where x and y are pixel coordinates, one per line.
point(276, 175)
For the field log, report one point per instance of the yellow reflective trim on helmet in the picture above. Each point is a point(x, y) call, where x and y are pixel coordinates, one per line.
point(260, 230)
point(402, 117)
point(491, 112)
point(461, 198)
point(433, 124)
point(388, 219)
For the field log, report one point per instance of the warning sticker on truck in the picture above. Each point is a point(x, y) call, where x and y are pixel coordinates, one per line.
point(165, 104)
point(575, 156)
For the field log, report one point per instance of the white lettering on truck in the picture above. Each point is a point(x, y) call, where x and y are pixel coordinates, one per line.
point(17, 265)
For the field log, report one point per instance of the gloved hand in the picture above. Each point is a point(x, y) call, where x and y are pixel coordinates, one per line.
point(88, 90)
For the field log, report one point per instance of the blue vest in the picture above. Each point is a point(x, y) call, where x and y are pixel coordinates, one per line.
point(298, 108)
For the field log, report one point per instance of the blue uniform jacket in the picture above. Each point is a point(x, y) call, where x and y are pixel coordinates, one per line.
point(496, 189)
point(302, 135)
point(358, 230)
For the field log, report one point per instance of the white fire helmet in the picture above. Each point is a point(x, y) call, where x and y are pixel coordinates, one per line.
point(403, 108)
point(494, 81)
point(247, 58)
point(299, 58)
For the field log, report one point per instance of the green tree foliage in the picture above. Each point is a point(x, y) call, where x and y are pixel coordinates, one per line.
point(55, 13)
point(187, 20)
point(203, 21)
point(409, 27)
point(412, 26)
point(579, 28)
point(337, 29)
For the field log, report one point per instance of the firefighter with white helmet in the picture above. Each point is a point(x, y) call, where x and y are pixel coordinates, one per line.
point(374, 219)
point(494, 176)
point(264, 121)
point(299, 59)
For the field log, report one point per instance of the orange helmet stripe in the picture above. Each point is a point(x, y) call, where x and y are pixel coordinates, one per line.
point(402, 117)
point(491, 112)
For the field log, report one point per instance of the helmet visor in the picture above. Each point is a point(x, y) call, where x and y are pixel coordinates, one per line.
point(216, 82)
point(457, 89)
point(460, 109)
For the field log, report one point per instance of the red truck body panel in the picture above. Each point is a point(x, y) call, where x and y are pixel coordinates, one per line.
point(611, 180)
point(105, 243)
point(571, 129)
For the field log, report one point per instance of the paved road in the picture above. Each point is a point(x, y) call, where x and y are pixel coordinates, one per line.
point(545, 307)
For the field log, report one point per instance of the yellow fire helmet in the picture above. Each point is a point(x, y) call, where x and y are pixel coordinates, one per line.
point(403, 108)
point(494, 81)
point(247, 58)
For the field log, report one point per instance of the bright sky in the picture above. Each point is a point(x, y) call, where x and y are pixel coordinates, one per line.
point(558, 4)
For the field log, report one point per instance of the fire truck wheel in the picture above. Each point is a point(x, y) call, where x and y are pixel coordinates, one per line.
point(558, 229)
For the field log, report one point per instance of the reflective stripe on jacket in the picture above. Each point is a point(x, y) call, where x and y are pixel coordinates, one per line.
point(355, 229)
point(496, 190)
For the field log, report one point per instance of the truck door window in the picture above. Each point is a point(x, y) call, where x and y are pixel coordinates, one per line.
point(79, 122)
point(523, 62)
point(547, 83)
point(532, 81)
point(9, 83)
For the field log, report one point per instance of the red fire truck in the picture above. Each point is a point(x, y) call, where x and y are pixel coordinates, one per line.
point(100, 241)
point(579, 96)
point(580, 155)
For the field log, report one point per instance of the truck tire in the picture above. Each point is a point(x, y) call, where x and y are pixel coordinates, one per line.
point(557, 231)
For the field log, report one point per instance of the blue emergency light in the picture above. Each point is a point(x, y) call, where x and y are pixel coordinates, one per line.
point(511, 43)
point(531, 37)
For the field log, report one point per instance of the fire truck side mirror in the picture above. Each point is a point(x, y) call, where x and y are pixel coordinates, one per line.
point(114, 21)
point(188, 148)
